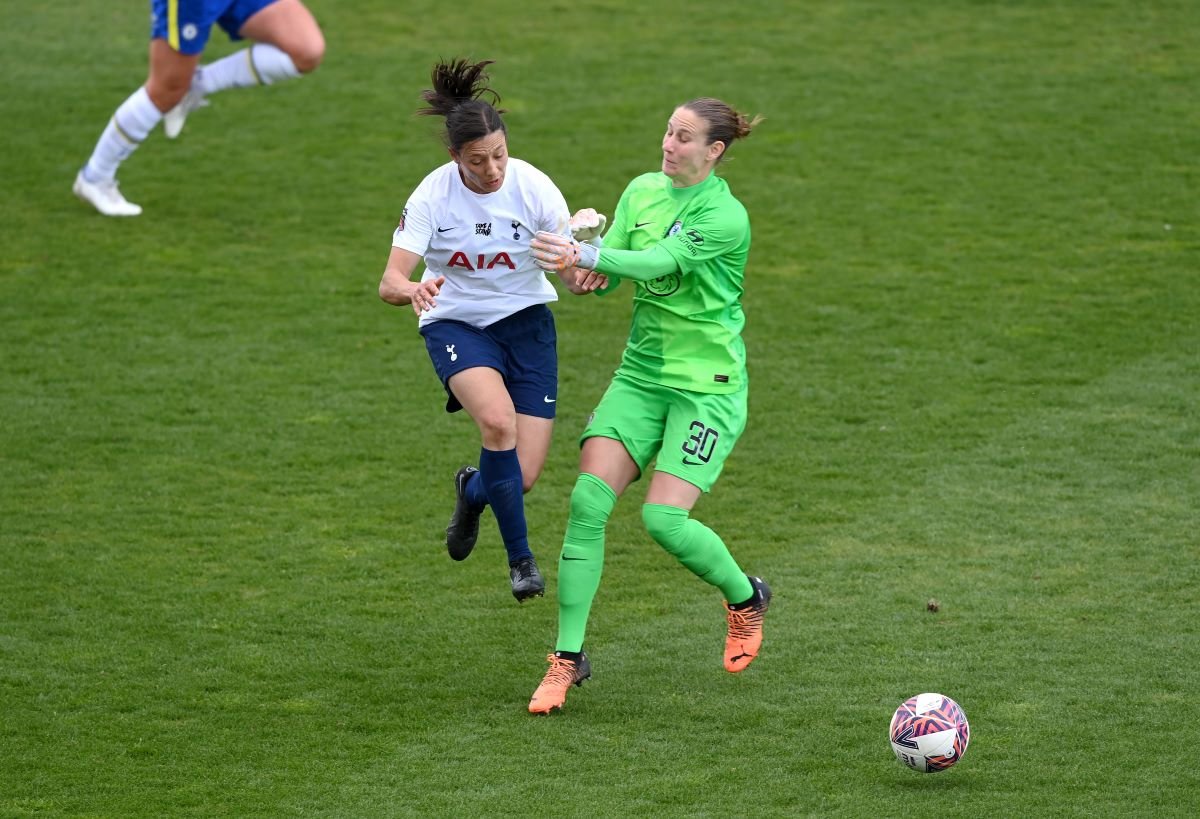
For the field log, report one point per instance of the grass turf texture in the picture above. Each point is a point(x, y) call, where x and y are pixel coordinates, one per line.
point(973, 332)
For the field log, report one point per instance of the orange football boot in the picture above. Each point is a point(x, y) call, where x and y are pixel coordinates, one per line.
point(563, 673)
point(746, 627)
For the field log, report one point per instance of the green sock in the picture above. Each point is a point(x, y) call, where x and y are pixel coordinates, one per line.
point(582, 558)
point(698, 548)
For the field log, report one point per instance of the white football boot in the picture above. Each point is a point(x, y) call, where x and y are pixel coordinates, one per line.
point(173, 120)
point(104, 196)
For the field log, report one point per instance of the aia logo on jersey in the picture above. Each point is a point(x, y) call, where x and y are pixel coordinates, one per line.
point(460, 259)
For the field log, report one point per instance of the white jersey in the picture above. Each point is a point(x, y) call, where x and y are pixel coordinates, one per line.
point(480, 241)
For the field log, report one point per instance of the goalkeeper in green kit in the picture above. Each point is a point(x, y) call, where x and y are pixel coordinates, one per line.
point(678, 398)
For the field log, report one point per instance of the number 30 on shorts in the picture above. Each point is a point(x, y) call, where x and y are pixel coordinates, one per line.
point(700, 443)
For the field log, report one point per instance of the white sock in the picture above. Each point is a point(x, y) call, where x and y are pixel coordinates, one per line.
point(132, 122)
point(261, 64)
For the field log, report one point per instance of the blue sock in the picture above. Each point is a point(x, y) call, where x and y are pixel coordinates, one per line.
point(476, 494)
point(500, 479)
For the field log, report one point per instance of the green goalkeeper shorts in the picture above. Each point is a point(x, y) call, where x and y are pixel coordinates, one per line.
point(689, 433)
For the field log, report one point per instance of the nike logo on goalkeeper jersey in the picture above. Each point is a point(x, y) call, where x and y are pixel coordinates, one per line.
point(637, 225)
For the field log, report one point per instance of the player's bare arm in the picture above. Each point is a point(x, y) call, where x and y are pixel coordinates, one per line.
point(397, 287)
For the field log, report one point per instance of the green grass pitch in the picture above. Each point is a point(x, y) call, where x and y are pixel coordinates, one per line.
point(973, 311)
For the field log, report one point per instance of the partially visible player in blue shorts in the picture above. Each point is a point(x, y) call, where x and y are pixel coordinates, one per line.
point(287, 43)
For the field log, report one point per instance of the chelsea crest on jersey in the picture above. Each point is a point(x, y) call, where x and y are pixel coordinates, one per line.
point(480, 242)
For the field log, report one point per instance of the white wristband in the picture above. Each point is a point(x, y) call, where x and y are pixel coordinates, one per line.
point(589, 254)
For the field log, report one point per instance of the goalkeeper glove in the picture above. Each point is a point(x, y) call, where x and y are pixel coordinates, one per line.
point(587, 225)
point(554, 253)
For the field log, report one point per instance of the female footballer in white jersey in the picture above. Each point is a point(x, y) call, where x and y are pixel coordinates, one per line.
point(482, 306)
point(287, 43)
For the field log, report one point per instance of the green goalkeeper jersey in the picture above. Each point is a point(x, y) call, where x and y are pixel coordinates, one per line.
point(687, 324)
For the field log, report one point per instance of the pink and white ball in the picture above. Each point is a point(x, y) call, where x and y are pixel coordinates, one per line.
point(929, 733)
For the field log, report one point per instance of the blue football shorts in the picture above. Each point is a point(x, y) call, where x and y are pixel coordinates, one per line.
point(185, 24)
point(523, 348)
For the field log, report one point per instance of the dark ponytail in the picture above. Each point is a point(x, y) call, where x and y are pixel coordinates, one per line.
point(458, 88)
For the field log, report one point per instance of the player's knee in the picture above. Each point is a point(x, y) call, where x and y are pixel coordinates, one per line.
point(591, 501)
point(307, 55)
point(664, 524)
point(497, 428)
point(167, 92)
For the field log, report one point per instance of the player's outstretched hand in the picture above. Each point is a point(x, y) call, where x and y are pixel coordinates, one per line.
point(554, 253)
point(424, 294)
point(587, 224)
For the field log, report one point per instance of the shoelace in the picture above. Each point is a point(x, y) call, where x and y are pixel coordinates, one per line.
point(562, 672)
point(744, 622)
point(524, 570)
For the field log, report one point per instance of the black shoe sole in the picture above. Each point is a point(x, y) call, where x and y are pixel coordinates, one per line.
point(459, 548)
point(523, 596)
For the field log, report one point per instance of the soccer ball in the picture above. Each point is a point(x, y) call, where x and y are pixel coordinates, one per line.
point(929, 733)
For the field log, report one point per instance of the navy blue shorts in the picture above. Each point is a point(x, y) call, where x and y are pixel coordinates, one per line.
point(522, 348)
point(185, 24)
